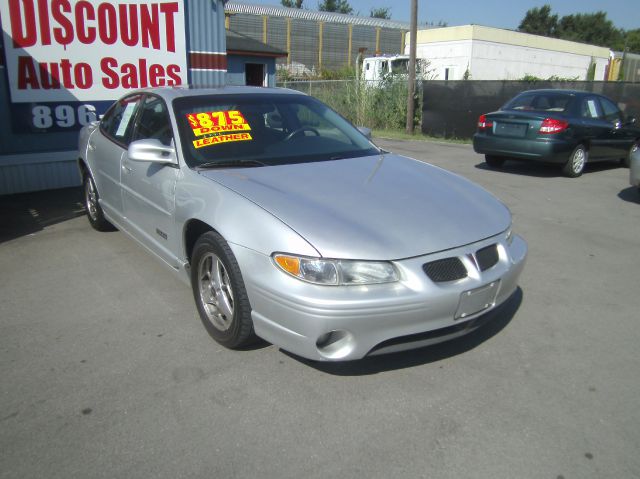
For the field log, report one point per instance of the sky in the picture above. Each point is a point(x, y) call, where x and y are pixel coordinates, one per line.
point(492, 13)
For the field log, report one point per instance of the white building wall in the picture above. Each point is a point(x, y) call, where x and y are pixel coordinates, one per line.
point(453, 56)
point(497, 61)
point(497, 54)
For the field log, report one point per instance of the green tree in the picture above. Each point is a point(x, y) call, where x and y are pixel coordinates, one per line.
point(338, 6)
point(592, 28)
point(539, 21)
point(383, 12)
point(632, 40)
point(291, 3)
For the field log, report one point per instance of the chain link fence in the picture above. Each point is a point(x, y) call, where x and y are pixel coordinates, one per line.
point(448, 109)
point(374, 104)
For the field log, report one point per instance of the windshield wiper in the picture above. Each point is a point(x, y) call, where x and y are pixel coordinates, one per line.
point(230, 163)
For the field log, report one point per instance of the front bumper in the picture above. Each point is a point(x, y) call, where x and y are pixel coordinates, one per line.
point(551, 150)
point(373, 319)
point(634, 170)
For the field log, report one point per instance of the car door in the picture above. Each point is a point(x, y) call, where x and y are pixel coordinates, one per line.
point(106, 146)
point(595, 129)
point(148, 189)
point(620, 137)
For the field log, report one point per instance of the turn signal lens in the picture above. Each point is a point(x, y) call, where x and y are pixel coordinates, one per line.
point(551, 125)
point(509, 237)
point(288, 263)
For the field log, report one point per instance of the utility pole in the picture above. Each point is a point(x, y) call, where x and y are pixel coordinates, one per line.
point(412, 66)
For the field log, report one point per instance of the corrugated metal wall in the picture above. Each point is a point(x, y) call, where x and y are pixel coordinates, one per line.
point(308, 52)
point(39, 161)
point(205, 27)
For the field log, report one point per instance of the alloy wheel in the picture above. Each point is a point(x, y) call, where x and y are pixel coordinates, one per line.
point(91, 199)
point(216, 292)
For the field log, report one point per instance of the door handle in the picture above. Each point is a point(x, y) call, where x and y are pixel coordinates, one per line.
point(126, 168)
point(91, 146)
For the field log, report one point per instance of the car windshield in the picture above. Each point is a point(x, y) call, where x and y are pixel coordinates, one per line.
point(264, 129)
point(541, 101)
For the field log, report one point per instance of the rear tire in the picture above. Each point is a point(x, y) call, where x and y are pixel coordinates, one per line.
point(494, 161)
point(219, 292)
point(575, 164)
point(92, 205)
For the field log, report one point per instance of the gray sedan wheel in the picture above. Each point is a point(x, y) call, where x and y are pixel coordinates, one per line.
point(92, 205)
point(494, 161)
point(219, 292)
point(575, 165)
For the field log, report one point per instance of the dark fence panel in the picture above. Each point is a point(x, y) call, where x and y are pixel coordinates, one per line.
point(451, 108)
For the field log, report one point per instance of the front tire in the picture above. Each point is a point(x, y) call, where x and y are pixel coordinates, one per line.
point(575, 164)
point(219, 292)
point(92, 205)
point(494, 161)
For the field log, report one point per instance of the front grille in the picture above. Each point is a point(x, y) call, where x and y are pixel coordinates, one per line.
point(487, 257)
point(448, 269)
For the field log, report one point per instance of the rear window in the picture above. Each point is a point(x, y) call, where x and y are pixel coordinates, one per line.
point(557, 102)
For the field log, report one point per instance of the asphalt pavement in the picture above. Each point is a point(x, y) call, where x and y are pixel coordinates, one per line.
point(107, 371)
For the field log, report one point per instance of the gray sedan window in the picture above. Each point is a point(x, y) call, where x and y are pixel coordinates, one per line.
point(154, 121)
point(117, 123)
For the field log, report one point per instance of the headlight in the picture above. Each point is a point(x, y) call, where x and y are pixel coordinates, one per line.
point(509, 236)
point(336, 272)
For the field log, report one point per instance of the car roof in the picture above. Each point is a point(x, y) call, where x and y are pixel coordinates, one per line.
point(171, 93)
point(558, 90)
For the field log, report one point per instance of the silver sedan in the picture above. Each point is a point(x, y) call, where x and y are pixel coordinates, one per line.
point(290, 225)
point(634, 166)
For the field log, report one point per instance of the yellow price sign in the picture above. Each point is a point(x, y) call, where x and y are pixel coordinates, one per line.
point(217, 122)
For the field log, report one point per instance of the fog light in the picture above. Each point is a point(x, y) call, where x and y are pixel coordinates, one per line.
point(335, 344)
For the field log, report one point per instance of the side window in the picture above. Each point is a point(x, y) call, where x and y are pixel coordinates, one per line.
point(154, 121)
point(318, 125)
point(117, 124)
point(589, 108)
point(611, 111)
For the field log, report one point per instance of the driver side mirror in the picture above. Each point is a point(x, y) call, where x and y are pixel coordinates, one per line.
point(152, 150)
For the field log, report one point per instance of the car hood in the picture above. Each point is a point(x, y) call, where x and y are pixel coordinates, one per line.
point(380, 207)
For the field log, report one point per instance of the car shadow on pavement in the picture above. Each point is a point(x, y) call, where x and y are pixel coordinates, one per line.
point(502, 316)
point(27, 213)
point(545, 170)
point(630, 194)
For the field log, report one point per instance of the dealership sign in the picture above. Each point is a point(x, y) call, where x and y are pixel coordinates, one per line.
point(66, 58)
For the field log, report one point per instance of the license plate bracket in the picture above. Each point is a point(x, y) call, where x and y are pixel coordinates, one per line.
point(511, 129)
point(476, 300)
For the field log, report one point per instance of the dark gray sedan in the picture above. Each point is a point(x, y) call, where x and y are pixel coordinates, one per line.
point(566, 127)
point(290, 225)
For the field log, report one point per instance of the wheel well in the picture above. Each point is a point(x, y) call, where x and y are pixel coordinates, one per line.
point(82, 167)
point(192, 231)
